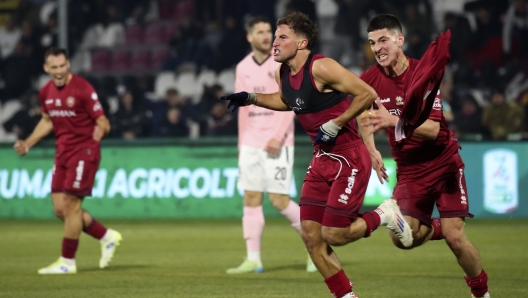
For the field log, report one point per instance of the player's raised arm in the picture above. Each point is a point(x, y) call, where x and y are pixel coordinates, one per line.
point(43, 128)
point(332, 76)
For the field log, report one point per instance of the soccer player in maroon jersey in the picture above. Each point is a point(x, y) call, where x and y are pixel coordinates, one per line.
point(71, 109)
point(429, 168)
point(316, 88)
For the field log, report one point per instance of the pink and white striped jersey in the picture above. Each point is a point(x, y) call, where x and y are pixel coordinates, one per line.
point(256, 125)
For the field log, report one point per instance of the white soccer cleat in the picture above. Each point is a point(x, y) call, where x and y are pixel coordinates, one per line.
point(487, 295)
point(350, 295)
point(59, 267)
point(108, 247)
point(396, 223)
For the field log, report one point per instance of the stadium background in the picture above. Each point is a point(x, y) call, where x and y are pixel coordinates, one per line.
point(160, 65)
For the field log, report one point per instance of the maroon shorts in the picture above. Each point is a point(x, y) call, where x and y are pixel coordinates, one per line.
point(75, 174)
point(444, 185)
point(335, 185)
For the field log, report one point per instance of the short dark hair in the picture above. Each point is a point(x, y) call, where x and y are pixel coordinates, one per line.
point(255, 20)
point(55, 52)
point(301, 25)
point(384, 21)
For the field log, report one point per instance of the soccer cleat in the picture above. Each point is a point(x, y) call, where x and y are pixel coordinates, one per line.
point(59, 267)
point(487, 295)
point(108, 247)
point(350, 295)
point(246, 267)
point(397, 224)
point(310, 266)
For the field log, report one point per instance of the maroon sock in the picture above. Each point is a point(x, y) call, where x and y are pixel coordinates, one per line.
point(373, 221)
point(339, 284)
point(95, 229)
point(437, 229)
point(69, 247)
point(479, 284)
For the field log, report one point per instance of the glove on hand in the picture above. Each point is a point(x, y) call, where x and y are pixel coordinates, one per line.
point(239, 99)
point(327, 133)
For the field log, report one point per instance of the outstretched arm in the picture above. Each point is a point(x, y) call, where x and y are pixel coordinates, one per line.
point(368, 139)
point(43, 128)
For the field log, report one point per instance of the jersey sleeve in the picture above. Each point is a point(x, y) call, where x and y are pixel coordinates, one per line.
point(42, 99)
point(91, 102)
point(436, 111)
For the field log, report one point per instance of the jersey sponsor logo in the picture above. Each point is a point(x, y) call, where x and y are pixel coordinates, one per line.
point(58, 102)
point(437, 105)
point(399, 101)
point(384, 100)
point(62, 113)
point(49, 101)
point(70, 101)
point(94, 96)
point(395, 112)
point(299, 102)
point(253, 114)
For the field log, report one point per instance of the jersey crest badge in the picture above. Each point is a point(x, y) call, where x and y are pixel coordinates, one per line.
point(399, 101)
point(70, 101)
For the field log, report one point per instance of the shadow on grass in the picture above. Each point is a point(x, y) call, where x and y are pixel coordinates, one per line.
point(116, 268)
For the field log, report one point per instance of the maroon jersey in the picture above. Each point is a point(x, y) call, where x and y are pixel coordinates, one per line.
point(73, 110)
point(391, 92)
point(312, 107)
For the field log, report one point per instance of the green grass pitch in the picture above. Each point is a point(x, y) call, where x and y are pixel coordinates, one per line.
point(188, 258)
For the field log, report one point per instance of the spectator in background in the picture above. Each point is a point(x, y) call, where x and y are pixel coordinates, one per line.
point(488, 26)
point(516, 28)
point(460, 35)
point(17, 71)
point(221, 122)
point(173, 125)
point(25, 120)
point(173, 99)
point(347, 38)
point(130, 120)
point(468, 121)
point(9, 37)
point(502, 118)
point(232, 46)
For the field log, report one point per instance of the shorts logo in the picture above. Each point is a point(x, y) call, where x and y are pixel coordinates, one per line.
point(351, 181)
point(78, 174)
point(463, 200)
point(343, 199)
point(70, 101)
point(399, 101)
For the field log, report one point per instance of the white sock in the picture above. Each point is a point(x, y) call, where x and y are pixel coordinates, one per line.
point(68, 261)
point(254, 256)
point(106, 236)
point(384, 219)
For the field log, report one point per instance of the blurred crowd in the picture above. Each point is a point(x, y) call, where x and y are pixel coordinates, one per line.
point(122, 47)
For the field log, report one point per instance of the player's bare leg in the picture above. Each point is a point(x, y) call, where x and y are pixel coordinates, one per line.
point(252, 226)
point(466, 254)
point(108, 238)
point(325, 259)
point(291, 211)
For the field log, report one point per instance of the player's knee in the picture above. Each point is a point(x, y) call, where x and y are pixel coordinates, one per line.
point(455, 240)
point(280, 202)
point(334, 236)
point(58, 212)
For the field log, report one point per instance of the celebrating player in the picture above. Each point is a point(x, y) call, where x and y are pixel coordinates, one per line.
point(429, 168)
point(265, 141)
point(316, 88)
point(71, 109)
